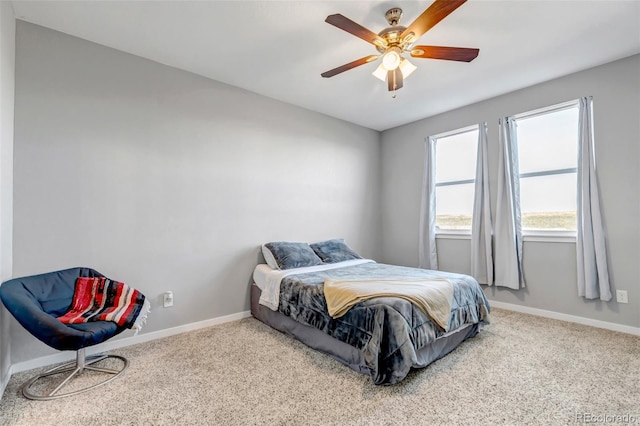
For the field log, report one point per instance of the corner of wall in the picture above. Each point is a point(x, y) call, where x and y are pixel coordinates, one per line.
point(7, 96)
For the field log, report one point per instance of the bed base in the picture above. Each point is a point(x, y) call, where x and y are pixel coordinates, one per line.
point(344, 353)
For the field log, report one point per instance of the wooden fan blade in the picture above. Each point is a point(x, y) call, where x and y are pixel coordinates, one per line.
point(350, 65)
point(356, 29)
point(394, 79)
point(435, 13)
point(462, 54)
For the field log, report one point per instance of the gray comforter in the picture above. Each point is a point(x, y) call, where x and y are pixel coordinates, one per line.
point(388, 330)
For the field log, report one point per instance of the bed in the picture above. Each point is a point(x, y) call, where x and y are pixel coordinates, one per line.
point(382, 337)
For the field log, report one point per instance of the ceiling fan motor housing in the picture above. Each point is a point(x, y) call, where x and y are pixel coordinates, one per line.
point(392, 34)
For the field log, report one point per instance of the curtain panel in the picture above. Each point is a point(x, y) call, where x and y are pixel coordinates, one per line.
point(481, 230)
point(593, 273)
point(508, 226)
point(427, 254)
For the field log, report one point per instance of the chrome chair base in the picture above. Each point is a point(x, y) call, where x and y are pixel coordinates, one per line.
point(74, 368)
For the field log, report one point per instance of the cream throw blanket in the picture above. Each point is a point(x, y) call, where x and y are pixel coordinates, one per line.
point(433, 296)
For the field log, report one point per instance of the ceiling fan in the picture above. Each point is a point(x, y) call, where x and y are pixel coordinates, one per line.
point(395, 40)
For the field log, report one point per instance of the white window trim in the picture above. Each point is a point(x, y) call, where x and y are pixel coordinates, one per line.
point(546, 110)
point(547, 236)
point(455, 234)
point(456, 132)
point(535, 235)
point(532, 236)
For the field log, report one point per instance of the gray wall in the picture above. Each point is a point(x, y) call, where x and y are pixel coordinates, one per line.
point(549, 267)
point(7, 85)
point(169, 181)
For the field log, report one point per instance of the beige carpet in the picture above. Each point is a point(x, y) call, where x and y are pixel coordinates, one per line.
point(519, 370)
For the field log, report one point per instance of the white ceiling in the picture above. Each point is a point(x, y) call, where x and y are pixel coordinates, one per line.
point(279, 48)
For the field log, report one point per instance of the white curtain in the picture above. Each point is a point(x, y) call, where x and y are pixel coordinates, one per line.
point(508, 228)
point(593, 274)
point(481, 252)
point(428, 257)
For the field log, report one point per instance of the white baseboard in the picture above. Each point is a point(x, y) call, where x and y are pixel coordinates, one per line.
point(566, 317)
point(127, 341)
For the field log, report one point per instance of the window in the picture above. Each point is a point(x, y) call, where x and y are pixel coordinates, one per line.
point(455, 162)
point(548, 155)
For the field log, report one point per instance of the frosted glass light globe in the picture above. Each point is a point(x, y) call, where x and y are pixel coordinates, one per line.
point(391, 59)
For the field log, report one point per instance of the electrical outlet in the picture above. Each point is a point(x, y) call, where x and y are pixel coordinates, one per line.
point(621, 296)
point(168, 299)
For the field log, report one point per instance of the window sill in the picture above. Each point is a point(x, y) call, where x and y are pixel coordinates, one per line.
point(549, 236)
point(529, 236)
point(453, 234)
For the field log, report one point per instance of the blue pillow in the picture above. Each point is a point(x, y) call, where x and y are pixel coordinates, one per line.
point(287, 255)
point(333, 251)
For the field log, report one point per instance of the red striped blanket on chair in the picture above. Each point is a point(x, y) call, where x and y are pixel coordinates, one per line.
point(102, 299)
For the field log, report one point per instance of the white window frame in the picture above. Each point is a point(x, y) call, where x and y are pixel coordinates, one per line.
point(548, 235)
point(449, 233)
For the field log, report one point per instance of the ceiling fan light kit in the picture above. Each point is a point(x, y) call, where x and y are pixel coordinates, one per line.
point(391, 58)
point(395, 40)
point(405, 66)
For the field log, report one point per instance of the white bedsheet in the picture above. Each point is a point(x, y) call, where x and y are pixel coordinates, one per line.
point(268, 280)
